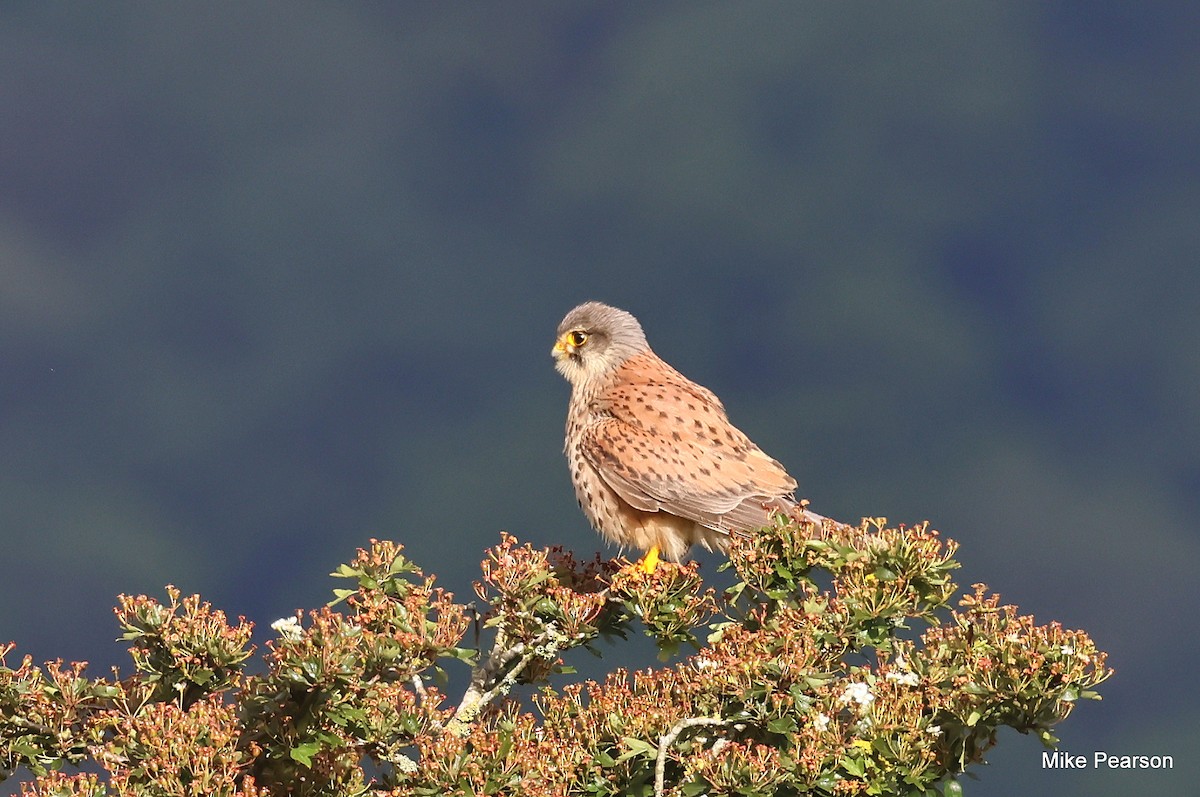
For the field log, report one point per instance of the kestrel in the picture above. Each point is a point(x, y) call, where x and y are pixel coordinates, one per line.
point(655, 462)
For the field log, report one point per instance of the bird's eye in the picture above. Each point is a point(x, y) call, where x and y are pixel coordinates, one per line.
point(577, 337)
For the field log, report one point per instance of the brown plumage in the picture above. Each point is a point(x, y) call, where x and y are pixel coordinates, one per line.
point(655, 462)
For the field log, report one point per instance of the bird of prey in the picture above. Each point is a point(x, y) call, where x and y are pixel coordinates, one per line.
point(655, 462)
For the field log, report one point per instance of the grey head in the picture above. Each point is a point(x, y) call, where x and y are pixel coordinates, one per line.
point(595, 339)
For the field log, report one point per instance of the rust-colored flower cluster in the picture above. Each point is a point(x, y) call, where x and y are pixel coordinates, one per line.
point(161, 748)
point(45, 712)
point(670, 602)
point(803, 685)
point(542, 594)
point(187, 645)
point(992, 666)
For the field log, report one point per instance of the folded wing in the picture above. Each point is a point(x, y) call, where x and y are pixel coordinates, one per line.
point(663, 443)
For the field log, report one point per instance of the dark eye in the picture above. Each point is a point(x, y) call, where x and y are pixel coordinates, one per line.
point(577, 337)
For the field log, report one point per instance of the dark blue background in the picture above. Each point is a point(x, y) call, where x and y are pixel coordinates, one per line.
point(279, 277)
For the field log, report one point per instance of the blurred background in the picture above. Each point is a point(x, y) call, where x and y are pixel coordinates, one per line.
point(276, 278)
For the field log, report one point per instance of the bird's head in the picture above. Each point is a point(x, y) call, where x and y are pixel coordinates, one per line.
point(594, 339)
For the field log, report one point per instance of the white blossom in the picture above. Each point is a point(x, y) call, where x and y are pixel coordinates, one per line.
point(858, 693)
point(289, 628)
point(906, 678)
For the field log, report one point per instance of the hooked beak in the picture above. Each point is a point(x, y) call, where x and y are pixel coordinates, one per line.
point(562, 348)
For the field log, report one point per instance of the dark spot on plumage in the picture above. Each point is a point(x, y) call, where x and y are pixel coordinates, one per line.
point(676, 436)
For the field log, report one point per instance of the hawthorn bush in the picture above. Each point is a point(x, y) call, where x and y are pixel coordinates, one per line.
point(807, 679)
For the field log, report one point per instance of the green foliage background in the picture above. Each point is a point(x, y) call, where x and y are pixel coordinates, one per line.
point(278, 277)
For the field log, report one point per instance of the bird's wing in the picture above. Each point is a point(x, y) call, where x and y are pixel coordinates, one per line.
point(664, 443)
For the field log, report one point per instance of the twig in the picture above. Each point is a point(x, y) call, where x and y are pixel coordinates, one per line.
point(668, 739)
point(488, 682)
point(419, 687)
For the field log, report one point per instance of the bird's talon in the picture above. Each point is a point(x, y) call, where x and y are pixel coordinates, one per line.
point(650, 560)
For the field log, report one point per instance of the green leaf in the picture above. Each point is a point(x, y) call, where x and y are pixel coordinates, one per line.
point(782, 725)
point(718, 631)
point(637, 747)
point(817, 680)
point(303, 753)
point(346, 571)
point(201, 676)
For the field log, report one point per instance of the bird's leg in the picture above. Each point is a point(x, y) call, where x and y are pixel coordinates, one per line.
point(650, 560)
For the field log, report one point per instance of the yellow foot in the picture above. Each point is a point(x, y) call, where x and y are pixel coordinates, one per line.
point(650, 560)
